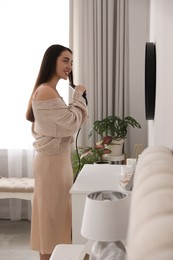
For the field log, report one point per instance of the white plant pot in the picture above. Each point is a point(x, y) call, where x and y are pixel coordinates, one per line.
point(116, 147)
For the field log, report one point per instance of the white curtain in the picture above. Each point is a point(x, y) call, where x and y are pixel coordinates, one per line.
point(20, 165)
point(27, 28)
point(99, 39)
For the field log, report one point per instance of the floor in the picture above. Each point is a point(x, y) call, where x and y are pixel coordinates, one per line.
point(14, 241)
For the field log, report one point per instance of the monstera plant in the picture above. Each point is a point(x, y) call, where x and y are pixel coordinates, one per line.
point(115, 128)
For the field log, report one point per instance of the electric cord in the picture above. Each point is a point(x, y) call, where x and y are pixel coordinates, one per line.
point(84, 95)
point(76, 145)
point(78, 156)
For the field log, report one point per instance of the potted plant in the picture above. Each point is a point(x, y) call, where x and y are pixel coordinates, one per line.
point(90, 155)
point(98, 151)
point(115, 128)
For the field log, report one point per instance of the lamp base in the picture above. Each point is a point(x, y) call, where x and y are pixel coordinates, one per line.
point(108, 250)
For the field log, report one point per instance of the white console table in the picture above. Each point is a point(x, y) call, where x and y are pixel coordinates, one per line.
point(93, 177)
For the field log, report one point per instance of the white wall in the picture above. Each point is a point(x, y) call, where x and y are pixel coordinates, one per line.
point(138, 36)
point(161, 32)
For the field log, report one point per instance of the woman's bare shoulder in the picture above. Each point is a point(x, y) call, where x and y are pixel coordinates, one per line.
point(44, 92)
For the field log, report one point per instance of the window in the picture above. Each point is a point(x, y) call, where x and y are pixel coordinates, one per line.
point(27, 29)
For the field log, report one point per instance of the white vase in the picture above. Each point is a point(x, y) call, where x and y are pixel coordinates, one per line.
point(116, 147)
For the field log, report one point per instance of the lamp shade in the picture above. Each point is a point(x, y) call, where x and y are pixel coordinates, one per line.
point(106, 215)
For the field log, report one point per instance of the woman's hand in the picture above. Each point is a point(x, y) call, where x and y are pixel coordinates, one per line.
point(80, 88)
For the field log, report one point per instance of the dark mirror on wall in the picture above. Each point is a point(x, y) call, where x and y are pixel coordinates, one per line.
point(150, 80)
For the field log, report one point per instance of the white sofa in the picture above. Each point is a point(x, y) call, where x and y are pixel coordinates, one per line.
point(150, 233)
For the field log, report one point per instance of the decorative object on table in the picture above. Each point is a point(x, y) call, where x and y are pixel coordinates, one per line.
point(108, 250)
point(126, 180)
point(105, 220)
point(127, 174)
point(131, 162)
point(115, 128)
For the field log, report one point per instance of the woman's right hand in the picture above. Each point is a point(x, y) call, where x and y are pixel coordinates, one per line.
point(80, 88)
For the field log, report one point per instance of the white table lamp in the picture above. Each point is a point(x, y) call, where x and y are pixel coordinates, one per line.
point(105, 217)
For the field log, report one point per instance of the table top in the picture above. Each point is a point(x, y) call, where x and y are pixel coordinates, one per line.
point(67, 252)
point(97, 177)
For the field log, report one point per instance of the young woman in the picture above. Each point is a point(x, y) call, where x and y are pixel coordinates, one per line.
point(53, 127)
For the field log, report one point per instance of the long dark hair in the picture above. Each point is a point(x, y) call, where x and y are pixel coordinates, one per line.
point(47, 70)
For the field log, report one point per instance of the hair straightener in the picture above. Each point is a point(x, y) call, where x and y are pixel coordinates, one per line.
point(73, 86)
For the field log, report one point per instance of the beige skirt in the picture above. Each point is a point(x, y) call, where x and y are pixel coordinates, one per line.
point(51, 212)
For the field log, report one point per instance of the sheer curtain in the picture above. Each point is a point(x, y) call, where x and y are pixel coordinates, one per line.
point(99, 39)
point(27, 28)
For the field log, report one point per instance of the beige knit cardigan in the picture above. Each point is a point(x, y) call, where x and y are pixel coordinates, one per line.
point(56, 123)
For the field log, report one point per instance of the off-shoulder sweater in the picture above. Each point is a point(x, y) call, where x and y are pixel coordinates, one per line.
point(56, 123)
